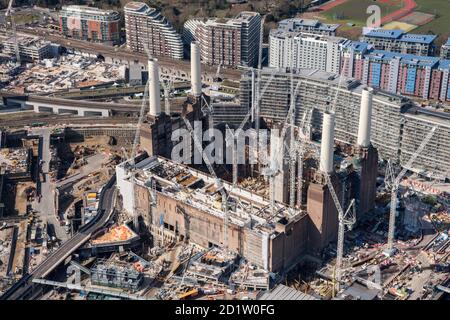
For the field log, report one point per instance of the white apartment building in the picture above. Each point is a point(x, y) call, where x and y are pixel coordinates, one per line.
point(227, 42)
point(304, 50)
point(146, 29)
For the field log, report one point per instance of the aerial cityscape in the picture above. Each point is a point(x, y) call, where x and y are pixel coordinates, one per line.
point(225, 150)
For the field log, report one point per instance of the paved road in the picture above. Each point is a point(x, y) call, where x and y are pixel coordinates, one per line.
point(46, 205)
point(106, 207)
point(93, 164)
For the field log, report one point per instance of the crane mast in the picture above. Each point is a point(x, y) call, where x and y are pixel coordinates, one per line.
point(14, 31)
point(395, 183)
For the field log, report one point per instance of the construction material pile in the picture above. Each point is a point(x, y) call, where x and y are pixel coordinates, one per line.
point(115, 234)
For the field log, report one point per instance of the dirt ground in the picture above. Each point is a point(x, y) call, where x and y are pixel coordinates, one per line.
point(21, 197)
point(20, 247)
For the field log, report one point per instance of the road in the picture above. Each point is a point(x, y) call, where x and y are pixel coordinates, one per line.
point(46, 206)
point(106, 207)
point(94, 163)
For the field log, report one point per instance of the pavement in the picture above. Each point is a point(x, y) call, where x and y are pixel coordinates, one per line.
point(419, 281)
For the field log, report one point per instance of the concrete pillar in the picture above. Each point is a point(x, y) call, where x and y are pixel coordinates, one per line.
point(154, 88)
point(196, 81)
point(365, 118)
point(327, 145)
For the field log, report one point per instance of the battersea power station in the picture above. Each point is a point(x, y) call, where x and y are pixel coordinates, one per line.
point(273, 212)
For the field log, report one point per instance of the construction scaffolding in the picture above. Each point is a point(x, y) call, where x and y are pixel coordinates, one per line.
point(315, 92)
point(116, 274)
point(433, 161)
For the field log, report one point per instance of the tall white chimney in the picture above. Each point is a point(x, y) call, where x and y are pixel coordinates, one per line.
point(154, 89)
point(365, 118)
point(196, 80)
point(327, 145)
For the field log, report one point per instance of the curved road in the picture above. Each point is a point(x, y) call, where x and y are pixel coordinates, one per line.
point(22, 288)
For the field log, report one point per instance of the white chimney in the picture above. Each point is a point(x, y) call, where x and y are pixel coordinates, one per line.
point(327, 145)
point(196, 80)
point(365, 118)
point(154, 89)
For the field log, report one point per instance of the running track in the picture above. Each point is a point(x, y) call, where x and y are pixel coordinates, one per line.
point(408, 7)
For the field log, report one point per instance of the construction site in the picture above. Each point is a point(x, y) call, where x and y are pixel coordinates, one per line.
point(348, 198)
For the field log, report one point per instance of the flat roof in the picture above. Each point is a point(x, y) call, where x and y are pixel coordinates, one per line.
point(419, 38)
point(87, 9)
point(332, 80)
point(297, 23)
point(357, 45)
point(429, 115)
point(382, 33)
point(136, 6)
point(201, 191)
point(448, 42)
point(444, 64)
point(306, 35)
point(404, 58)
point(400, 35)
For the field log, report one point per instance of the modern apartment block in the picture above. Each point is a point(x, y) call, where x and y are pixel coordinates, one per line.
point(89, 23)
point(146, 29)
point(189, 28)
point(352, 58)
point(308, 25)
point(397, 126)
point(418, 76)
point(434, 159)
point(293, 49)
point(30, 48)
point(227, 42)
point(445, 50)
point(316, 92)
point(400, 42)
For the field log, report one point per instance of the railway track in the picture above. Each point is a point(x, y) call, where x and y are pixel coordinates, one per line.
point(26, 121)
point(25, 287)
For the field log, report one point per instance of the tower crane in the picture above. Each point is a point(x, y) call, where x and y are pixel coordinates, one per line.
point(134, 147)
point(345, 219)
point(14, 32)
point(218, 182)
point(133, 155)
point(394, 183)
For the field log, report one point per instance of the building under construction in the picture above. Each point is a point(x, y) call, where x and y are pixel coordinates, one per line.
point(179, 203)
point(116, 275)
point(396, 123)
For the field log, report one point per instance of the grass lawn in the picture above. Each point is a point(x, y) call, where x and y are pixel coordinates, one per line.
point(441, 24)
point(355, 11)
point(25, 17)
